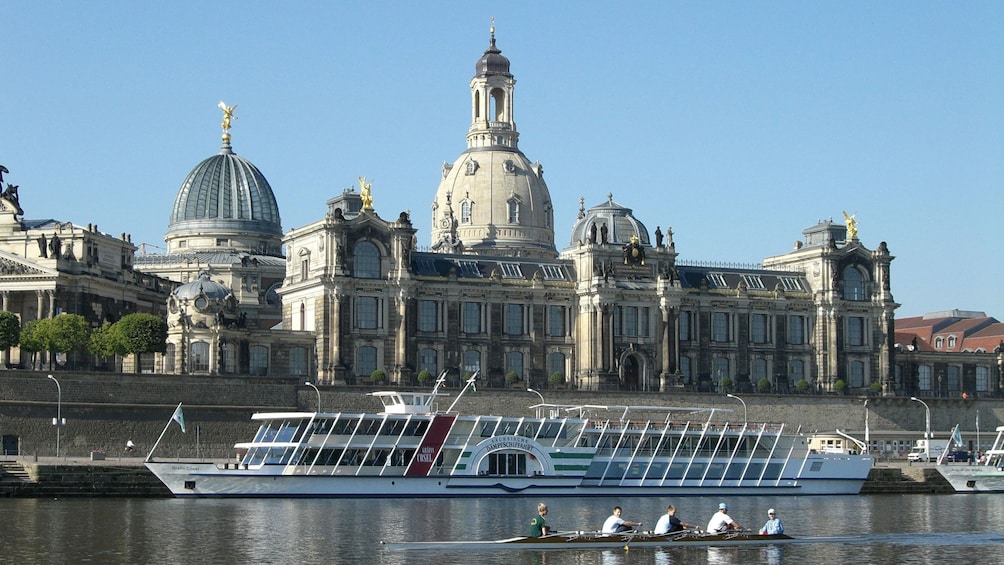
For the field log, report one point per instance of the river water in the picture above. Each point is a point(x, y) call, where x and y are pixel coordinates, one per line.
point(887, 529)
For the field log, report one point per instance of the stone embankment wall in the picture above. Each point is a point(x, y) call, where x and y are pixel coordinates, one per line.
point(103, 410)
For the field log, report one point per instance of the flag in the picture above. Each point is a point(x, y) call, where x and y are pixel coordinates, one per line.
point(957, 437)
point(179, 417)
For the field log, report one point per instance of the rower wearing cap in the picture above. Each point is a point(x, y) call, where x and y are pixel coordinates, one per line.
point(773, 526)
point(721, 522)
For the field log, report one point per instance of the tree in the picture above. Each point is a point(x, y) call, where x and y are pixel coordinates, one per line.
point(763, 385)
point(31, 339)
point(802, 385)
point(378, 376)
point(142, 333)
point(105, 342)
point(10, 329)
point(69, 333)
point(424, 376)
point(840, 386)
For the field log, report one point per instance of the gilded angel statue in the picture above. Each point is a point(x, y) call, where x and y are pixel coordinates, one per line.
point(852, 226)
point(228, 115)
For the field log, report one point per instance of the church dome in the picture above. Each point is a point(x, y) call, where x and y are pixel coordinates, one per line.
point(493, 200)
point(225, 198)
point(493, 62)
point(205, 295)
point(619, 221)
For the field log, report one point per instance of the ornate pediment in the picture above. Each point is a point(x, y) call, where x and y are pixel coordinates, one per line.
point(13, 267)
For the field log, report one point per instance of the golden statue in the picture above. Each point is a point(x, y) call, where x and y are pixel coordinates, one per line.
point(367, 196)
point(852, 226)
point(228, 116)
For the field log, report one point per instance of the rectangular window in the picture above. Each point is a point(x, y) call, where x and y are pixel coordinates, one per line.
point(304, 269)
point(427, 319)
point(556, 321)
point(684, 324)
point(924, 377)
point(796, 330)
point(954, 376)
point(753, 282)
point(514, 319)
point(629, 318)
point(469, 268)
point(758, 328)
point(716, 280)
point(982, 379)
point(367, 312)
point(427, 361)
point(720, 327)
point(643, 314)
point(472, 318)
point(855, 331)
point(514, 363)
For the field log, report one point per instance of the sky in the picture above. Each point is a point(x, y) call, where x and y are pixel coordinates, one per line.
point(735, 124)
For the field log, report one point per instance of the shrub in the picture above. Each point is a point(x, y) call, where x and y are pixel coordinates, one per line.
point(511, 377)
point(875, 387)
point(424, 376)
point(378, 376)
point(725, 383)
point(840, 385)
point(556, 378)
point(802, 385)
point(763, 385)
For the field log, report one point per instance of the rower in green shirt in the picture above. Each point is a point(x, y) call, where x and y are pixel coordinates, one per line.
point(538, 526)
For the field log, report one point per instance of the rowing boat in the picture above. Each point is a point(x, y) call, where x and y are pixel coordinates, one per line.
point(597, 540)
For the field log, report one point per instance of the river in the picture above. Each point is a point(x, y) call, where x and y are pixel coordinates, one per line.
point(888, 529)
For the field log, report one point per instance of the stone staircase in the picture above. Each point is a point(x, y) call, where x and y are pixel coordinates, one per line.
point(54, 481)
point(906, 480)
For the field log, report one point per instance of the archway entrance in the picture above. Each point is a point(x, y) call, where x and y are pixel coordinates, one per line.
point(631, 372)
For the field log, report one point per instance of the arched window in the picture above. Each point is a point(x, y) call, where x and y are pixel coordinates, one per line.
point(200, 357)
point(556, 363)
point(366, 361)
point(472, 360)
point(952, 341)
point(427, 361)
point(759, 370)
point(514, 363)
point(298, 361)
point(939, 342)
point(796, 370)
point(954, 375)
point(856, 374)
point(259, 360)
point(720, 366)
point(982, 379)
point(854, 284)
point(366, 264)
point(465, 212)
point(513, 208)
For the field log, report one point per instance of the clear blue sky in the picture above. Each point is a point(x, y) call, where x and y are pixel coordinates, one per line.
point(737, 124)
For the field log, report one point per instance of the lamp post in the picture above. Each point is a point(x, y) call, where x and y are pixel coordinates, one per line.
point(528, 389)
point(745, 419)
point(58, 421)
point(313, 386)
point(927, 428)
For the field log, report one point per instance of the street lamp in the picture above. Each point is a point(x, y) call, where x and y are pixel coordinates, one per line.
point(927, 428)
point(313, 386)
point(528, 389)
point(58, 420)
point(745, 419)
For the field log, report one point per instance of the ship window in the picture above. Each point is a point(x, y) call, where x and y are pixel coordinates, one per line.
point(695, 472)
point(715, 471)
point(656, 470)
point(735, 471)
point(753, 471)
point(676, 471)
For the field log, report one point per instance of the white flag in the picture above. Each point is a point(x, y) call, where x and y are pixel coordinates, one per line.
point(180, 418)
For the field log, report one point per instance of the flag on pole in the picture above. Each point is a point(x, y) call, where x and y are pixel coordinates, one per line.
point(957, 437)
point(179, 417)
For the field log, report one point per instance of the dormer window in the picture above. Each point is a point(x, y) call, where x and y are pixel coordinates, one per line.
point(513, 205)
point(939, 342)
point(465, 211)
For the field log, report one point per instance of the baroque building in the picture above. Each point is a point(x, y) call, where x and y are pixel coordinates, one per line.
point(224, 248)
point(614, 309)
point(50, 267)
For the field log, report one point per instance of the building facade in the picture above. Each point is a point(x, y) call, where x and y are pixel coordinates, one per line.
point(613, 309)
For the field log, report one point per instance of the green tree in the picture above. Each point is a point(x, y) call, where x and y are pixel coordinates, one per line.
point(142, 333)
point(68, 333)
point(802, 385)
point(763, 385)
point(32, 338)
point(378, 376)
point(424, 376)
point(10, 330)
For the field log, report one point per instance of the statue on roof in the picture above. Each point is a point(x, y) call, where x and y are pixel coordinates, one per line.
point(228, 116)
point(852, 226)
point(365, 193)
